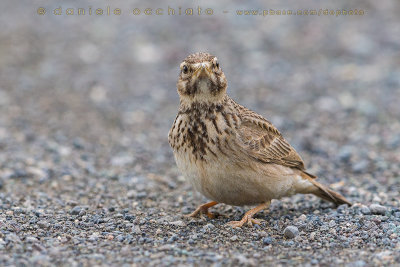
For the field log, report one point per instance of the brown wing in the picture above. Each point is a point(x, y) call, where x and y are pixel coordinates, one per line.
point(262, 141)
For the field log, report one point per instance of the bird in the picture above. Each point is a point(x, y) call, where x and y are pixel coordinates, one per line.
point(229, 153)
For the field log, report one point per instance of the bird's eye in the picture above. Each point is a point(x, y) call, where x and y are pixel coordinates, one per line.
point(217, 64)
point(185, 69)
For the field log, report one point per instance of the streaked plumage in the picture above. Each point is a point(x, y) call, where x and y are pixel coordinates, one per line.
point(229, 153)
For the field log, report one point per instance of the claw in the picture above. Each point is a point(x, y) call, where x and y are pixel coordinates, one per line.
point(203, 209)
point(200, 212)
point(250, 221)
point(248, 216)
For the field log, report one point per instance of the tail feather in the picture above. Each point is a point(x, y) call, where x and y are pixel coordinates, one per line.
point(326, 193)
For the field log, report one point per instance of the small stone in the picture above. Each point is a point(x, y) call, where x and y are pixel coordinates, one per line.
point(120, 238)
point(165, 247)
point(141, 195)
point(268, 240)
point(129, 217)
point(9, 213)
point(131, 194)
point(234, 238)
point(244, 261)
point(13, 238)
point(82, 212)
point(118, 216)
point(136, 230)
point(384, 218)
point(377, 209)
point(342, 207)
point(111, 209)
point(345, 153)
point(208, 227)
point(173, 238)
point(291, 232)
point(298, 238)
point(38, 247)
point(125, 251)
point(19, 174)
point(303, 217)
point(37, 213)
point(75, 210)
point(43, 224)
point(360, 166)
point(178, 223)
point(31, 239)
point(358, 263)
point(312, 235)
point(158, 231)
point(365, 210)
point(332, 223)
point(78, 143)
point(94, 237)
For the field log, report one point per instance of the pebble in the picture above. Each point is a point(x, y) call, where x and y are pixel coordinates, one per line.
point(345, 153)
point(360, 167)
point(141, 195)
point(120, 238)
point(268, 240)
point(178, 223)
point(312, 235)
point(359, 263)
point(31, 239)
point(129, 217)
point(208, 227)
point(244, 261)
point(365, 210)
point(234, 238)
point(303, 217)
point(173, 238)
point(136, 230)
point(43, 224)
point(76, 210)
point(291, 232)
point(378, 209)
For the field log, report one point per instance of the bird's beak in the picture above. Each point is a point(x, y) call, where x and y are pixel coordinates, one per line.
point(203, 71)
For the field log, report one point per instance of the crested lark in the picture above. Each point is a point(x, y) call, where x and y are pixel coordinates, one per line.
point(229, 153)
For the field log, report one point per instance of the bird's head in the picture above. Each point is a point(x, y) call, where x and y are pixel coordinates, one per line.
point(201, 79)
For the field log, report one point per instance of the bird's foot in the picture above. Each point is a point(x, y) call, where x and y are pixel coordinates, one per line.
point(199, 212)
point(246, 218)
point(203, 209)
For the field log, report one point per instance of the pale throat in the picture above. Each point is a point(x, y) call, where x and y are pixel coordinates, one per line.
point(186, 101)
point(203, 97)
point(204, 86)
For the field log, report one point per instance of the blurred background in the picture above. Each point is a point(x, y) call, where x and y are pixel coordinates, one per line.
point(86, 101)
point(109, 81)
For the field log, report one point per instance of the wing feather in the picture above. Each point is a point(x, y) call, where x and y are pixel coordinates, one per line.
point(262, 141)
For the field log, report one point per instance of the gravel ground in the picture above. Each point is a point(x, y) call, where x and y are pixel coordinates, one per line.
point(86, 173)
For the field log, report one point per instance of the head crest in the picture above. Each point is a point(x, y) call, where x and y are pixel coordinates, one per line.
point(198, 57)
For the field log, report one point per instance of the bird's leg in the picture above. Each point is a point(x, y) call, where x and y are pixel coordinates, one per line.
point(248, 216)
point(203, 209)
